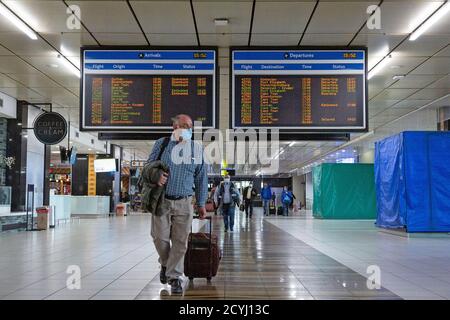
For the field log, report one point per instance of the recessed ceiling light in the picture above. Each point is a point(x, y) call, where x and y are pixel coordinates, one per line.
point(19, 24)
point(431, 20)
point(395, 67)
point(398, 77)
point(52, 65)
point(221, 22)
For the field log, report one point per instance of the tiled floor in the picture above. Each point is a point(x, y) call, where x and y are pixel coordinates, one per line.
point(272, 258)
point(413, 268)
point(260, 261)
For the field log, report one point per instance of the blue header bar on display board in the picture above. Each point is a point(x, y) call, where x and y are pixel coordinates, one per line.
point(194, 55)
point(299, 55)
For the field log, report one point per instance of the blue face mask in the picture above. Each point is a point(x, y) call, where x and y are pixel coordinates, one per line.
point(186, 134)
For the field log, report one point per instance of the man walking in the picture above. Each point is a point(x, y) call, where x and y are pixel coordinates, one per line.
point(249, 196)
point(170, 229)
point(226, 197)
point(287, 198)
point(266, 195)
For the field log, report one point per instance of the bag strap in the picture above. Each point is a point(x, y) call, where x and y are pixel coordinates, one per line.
point(163, 147)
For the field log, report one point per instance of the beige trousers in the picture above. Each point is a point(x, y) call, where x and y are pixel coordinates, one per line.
point(170, 233)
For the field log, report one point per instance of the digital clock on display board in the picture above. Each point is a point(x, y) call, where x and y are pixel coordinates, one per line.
point(349, 55)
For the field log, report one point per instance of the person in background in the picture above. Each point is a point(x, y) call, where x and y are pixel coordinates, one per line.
point(125, 197)
point(170, 230)
point(249, 195)
point(266, 196)
point(211, 196)
point(226, 198)
point(287, 198)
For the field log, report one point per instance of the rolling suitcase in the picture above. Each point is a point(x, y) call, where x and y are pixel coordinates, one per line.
point(203, 254)
point(280, 211)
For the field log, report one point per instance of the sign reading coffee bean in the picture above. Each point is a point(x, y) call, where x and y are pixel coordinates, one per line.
point(50, 128)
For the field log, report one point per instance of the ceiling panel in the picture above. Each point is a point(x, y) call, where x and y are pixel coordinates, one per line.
point(410, 103)
point(444, 52)
point(435, 65)
point(46, 65)
point(381, 81)
point(35, 80)
point(166, 39)
point(275, 39)
point(281, 17)
point(20, 44)
point(427, 45)
point(443, 83)
point(238, 14)
point(339, 17)
point(21, 93)
point(5, 52)
point(107, 16)
point(177, 17)
point(6, 82)
point(430, 94)
point(414, 81)
point(400, 65)
point(12, 64)
point(121, 39)
point(374, 91)
point(379, 102)
point(224, 40)
point(310, 39)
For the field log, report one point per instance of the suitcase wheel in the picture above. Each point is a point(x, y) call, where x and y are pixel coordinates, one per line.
point(191, 278)
point(208, 279)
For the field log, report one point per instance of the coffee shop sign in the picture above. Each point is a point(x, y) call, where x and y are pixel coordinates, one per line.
point(50, 128)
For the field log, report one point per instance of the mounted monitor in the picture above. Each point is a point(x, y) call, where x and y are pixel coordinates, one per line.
point(106, 165)
point(309, 90)
point(141, 89)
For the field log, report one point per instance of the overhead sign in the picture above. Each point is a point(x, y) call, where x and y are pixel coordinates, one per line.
point(137, 90)
point(312, 90)
point(50, 128)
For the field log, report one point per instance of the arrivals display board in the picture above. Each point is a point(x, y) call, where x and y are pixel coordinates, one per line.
point(310, 90)
point(142, 89)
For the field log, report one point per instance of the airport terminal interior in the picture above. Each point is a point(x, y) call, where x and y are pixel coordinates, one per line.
point(324, 126)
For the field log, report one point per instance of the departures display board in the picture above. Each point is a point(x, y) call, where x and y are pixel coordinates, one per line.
point(312, 90)
point(138, 90)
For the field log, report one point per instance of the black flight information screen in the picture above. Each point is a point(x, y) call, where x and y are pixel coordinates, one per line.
point(137, 90)
point(304, 90)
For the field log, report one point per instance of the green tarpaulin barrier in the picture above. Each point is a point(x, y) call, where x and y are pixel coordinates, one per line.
point(344, 191)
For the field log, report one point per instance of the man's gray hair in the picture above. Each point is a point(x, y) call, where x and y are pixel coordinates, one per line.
point(178, 116)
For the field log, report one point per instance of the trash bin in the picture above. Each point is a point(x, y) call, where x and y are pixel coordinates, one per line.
point(121, 209)
point(42, 218)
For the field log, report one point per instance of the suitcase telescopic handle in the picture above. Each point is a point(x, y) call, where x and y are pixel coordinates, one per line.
point(210, 223)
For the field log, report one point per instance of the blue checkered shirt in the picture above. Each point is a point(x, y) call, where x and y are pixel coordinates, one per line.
point(184, 176)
